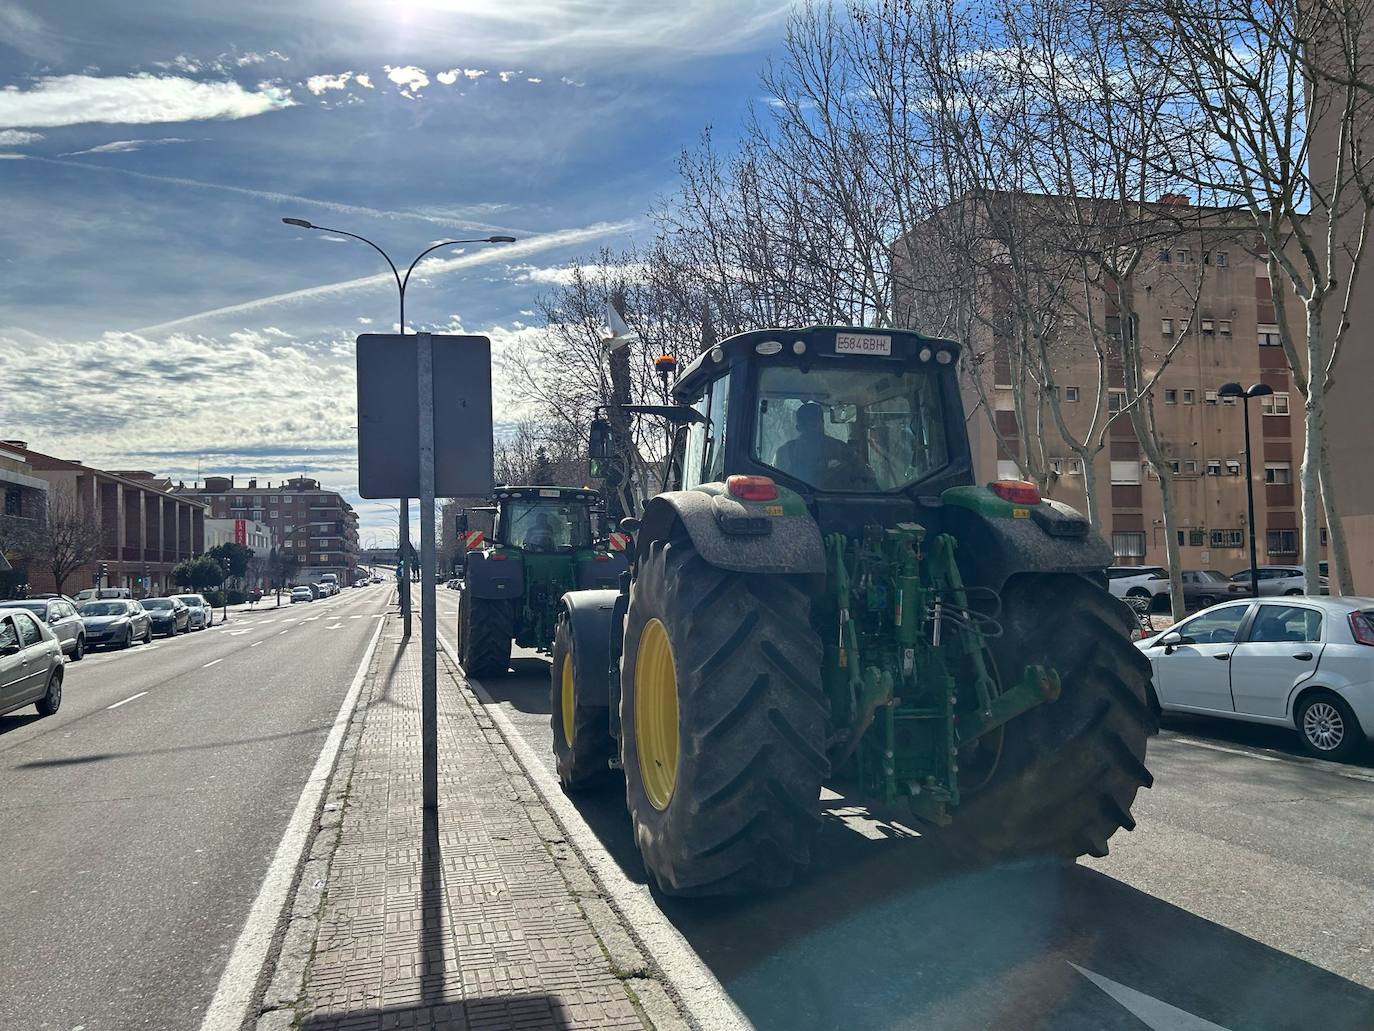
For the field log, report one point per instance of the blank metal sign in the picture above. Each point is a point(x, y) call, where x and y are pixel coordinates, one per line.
point(388, 419)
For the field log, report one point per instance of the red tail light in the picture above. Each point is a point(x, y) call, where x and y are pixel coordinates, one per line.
point(1361, 628)
point(496, 556)
point(599, 557)
point(752, 488)
point(1018, 492)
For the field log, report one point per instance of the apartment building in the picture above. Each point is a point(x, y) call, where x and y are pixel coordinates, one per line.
point(311, 524)
point(1206, 313)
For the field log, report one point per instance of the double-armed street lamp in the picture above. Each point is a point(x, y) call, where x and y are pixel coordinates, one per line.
point(1231, 391)
point(401, 283)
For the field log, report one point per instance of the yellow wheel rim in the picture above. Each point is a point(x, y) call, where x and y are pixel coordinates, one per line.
point(567, 697)
point(656, 714)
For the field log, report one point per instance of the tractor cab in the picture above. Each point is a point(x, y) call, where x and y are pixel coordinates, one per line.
point(545, 519)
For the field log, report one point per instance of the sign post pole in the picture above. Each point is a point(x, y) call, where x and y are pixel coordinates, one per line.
point(403, 546)
point(429, 692)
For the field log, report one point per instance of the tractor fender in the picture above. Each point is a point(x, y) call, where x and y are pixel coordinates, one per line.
point(504, 578)
point(590, 615)
point(993, 549)
point(743, 538)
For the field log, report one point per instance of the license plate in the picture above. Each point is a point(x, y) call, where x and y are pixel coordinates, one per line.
point(863, 343)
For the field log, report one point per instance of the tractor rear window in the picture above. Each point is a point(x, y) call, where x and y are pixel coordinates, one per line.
point(546, 525)
point(850, 429)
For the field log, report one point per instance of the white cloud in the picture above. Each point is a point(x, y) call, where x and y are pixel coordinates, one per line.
point(59, 100)
point(474, 73)
point(432, 267)
point(534, 80)
point(449, 77)
point(318, 84)
point(364, 80)
point(25, 32)
point(252, 57)
point(18, 138)
point(408, 77)
point(507, 76)
point(571, 82)
point(125, 146)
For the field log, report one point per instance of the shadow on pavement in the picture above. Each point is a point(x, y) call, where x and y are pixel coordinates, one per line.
point(1252, 735)
point(10, 723)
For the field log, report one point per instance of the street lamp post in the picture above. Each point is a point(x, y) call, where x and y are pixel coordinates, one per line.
point(401, 283)
point(1256, 390)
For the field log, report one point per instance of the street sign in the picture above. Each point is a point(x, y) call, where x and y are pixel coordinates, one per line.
point(388, 430)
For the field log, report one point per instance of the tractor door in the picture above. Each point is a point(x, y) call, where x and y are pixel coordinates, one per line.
point(703, 458)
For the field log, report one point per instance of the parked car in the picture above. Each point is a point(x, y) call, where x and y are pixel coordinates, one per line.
point(202, 613)
point(1305, 663)
point(30, 663)
point(1274, 580)
point(301, 594)
point(116, 622)
point(92, 594)
point(1137, 581)
point(61, 618)
point(1203, 588)
point(376, 579)
point(170, 617)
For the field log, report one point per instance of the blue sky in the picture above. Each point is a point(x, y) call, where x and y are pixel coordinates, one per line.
point(154, 311)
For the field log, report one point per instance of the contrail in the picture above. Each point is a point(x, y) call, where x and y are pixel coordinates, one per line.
point(438, 266)
point(275, 197)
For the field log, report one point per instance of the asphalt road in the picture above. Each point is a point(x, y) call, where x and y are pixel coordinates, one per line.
point(1242, 900)
point(140, 819)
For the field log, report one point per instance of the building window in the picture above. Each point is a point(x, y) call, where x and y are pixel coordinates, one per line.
point(1209, 397)
point(1222, 259)
point(1128, 543)
point(1213, 467)
point(1189, 396)
point(1322, 531)
point(274, 513)
point(1208, 327)
point(1176, 466)
point(1281, 542)
point(1232, 467)
point(1269, 335)
point(1274, 404)
point(1116, 400)
point(1125, 472)
point(1190, 467)
point(1224, 327)
point(1180, 539)
point(1171, 397)
point(1228, 538)
point(1183, 256)
point(1197, 539)
point(1071, 394)
point(1166, 327)
point(1278, 472)
point(1165, 257)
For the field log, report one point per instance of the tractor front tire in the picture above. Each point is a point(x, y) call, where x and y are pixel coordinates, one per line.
point(1069, 769)
point(723, 724)
point(485, 628)
point(582, 742)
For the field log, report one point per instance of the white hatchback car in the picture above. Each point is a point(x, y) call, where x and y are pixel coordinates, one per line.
point(1306, 663)
point(1137, 581)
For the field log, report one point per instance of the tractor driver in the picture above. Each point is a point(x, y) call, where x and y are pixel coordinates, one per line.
point(546, 532)
point(819, 459)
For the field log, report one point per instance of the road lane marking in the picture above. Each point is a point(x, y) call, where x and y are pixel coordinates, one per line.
point(212, 662)
point(127, 700)
point(336, 626)
point(310, 619)
point(701, 993)
point(1229, 751)
point(280, 632)
point(229, 1009)
point(355, 617)
point(255, 644)
point(235, 633)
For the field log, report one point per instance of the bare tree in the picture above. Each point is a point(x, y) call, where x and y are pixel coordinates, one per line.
point(68, 536)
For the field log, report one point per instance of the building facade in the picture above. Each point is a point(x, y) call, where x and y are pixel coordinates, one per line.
point(23, 507)
point(144, 528)
point(312, 526)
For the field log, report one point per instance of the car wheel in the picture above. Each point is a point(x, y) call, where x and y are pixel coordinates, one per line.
point(128, 638)
point(79, 652)
point(1138, 592)
point(1328, 727)
point(1206, 601)
point(1294, 593)
point(52, 700)
point(147, 634)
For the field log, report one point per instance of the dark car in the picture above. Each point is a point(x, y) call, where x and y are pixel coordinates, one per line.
point(1203, 588)
point(116, 623)
point(30, 663)
point(169, 616)
point(60, 616)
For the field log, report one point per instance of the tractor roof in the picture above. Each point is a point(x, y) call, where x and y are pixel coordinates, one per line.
point(839, 343)
point(505, 492)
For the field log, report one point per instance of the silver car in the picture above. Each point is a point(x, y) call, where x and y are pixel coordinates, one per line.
point(30, 664)
point(61, 618)
point(1274, 580)
point(202, 615)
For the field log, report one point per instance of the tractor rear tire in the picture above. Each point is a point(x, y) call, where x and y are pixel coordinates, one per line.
point(485, 628)
point(1070, 769)
point(729, 686)
point(584, 753)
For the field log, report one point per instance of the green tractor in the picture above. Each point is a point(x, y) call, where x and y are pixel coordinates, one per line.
point(542, 545)
point(829, 599)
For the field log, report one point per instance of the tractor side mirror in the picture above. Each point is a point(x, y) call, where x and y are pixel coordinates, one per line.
point(463, 521)
point(599, 449)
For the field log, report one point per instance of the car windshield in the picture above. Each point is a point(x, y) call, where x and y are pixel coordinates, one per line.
point(41, 607)
point(104, 608)
point(546, 525)
point(157, 603)
point(1211, 576)
point(190, 599)
point(853, 428)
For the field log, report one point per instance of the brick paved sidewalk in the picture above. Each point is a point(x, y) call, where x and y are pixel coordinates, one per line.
point(470, 925)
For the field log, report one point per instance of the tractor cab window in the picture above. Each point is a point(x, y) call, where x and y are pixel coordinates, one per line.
point(704, 458)
point(850, 429)
point(546, 525)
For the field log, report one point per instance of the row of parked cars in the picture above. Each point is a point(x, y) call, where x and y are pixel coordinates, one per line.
point(1205, 587)
point(36, 633)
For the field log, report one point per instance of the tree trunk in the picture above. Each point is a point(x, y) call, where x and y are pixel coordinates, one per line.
point(1344, 579)
point(1314, 411)
point(1090, 491)
point(1166, 494)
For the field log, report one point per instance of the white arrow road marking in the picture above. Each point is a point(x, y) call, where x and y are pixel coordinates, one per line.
point(127, 700)
point(336, 626)
point(1153, 1013)
point(212, 662)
